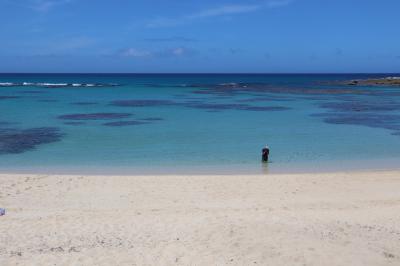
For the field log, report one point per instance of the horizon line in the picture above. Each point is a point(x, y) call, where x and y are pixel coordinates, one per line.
point(203, 73)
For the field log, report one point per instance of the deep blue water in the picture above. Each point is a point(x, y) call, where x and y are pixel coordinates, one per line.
point(162, 123)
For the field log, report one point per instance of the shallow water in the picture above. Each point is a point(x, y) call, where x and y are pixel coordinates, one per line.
point(190, 124)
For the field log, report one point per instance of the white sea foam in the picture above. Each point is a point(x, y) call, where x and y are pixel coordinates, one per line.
point(7, 84)
point(53, 85)
point(228, 84)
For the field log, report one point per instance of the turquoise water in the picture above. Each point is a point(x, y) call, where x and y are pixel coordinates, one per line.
point(193, 124)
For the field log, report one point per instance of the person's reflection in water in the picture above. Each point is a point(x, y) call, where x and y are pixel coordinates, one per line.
point(264, 168)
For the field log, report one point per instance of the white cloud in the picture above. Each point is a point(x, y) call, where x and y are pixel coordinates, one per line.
point(133, 52)
point(226, 10)
point(178, 51)
point(169, 52)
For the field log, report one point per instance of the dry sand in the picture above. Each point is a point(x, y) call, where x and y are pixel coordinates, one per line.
point(299, 219)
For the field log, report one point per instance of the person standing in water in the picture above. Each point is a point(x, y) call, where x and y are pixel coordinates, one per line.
point(265, 154)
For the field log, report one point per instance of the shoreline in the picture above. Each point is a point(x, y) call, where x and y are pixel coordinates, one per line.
point(278, 219)
point(225, 170)
point(355, 171)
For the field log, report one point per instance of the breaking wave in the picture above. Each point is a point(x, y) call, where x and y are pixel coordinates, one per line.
point(56, 85)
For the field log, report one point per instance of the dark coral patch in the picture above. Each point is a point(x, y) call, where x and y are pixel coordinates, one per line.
point(124, 123)
point(216, 106)
point(265, 108)
point(84, 103)
point(362, 106)
point(19, 141)
point(265, 99)
point(48, 101)
point(197, 104)
point(95, 116)
point(9, 97)
point(386, 121)
point(231, 89)
point(371, 120)
point(34, 92)
point(142, 103)
point(351, 111)
point(152, 119)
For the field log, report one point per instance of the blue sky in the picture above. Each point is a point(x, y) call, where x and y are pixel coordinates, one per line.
point(271, 36)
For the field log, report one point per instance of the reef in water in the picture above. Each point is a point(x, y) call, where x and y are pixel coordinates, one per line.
point(241, 107)
point(142, 103)
point(152, 119)
point(124, 123)
point(84, 103)
point(95, 116)
point(8, 97)
point(13, 141)
point(377, 114)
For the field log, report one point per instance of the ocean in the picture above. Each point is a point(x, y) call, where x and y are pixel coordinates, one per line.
point(196, 123)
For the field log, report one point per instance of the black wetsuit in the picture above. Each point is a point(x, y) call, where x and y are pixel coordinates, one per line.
point(265, 154)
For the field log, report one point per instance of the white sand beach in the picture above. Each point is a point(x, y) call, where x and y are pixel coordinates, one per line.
point(298, 219)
